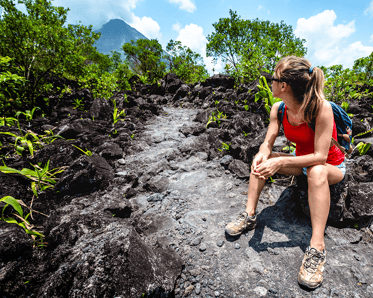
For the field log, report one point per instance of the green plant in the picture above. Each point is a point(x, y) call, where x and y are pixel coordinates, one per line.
point(265, 94)
point(31, 140)
point(88, 153)
point(216, 117)
point(28, 114)
point(8, 121)
point(246, 107)
point(42, 178)
point(216, 102)
point(224, 146)
point(363, 148)
point(24, 223)
point(78, 104)
point(133, 136)
point(345, 105)
point(290, 147)
point(245, 134)
point(116, 115)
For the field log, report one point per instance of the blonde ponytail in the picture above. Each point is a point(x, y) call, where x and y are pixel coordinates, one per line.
point(306, 82)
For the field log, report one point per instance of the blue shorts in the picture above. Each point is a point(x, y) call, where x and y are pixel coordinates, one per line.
point(341, 166)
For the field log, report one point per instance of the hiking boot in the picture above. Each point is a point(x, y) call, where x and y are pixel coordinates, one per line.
point(310, 273)
point(241, 223)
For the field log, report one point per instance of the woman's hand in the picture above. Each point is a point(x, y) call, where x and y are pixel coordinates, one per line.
point(267, 168)
point(258, 159)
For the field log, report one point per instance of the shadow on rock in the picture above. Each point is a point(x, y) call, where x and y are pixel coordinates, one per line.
point(283, 225)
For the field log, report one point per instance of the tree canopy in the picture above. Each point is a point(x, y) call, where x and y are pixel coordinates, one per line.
point(185, 63)
point(145, 58)
point(40, 44)
point(254, 43)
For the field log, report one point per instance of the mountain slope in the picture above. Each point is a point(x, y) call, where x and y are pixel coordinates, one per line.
point(114, 34)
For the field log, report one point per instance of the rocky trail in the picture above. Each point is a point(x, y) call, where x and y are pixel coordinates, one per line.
point(143, 214)
point(192, 199)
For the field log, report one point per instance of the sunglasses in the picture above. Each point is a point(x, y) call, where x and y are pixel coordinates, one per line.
point(277, 80)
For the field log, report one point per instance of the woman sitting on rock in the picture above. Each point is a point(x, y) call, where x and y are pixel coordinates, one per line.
point(300, 86)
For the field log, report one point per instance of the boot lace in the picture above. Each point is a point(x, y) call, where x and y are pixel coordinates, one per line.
point(240, 217)
point(313, 259)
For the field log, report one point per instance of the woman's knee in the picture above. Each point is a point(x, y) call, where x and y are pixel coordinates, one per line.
point(317, 175)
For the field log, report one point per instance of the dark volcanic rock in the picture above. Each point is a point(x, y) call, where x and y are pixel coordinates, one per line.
point(60, 153)
point(72, 129)
point(359, 201)
point(85, 175)
point(14, 186)
point(172, 83)
point(101, 109)
point(362, 169)
point(110, 150)
point(219, 80)
point(14, 242)
point(157, 184)
point(241, 169)
point(111, 261)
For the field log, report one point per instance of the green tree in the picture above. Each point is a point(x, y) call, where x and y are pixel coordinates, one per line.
point(145, 58)
point(115, 60)
point(364, 68)
point(10, 84)
point(41, 44)
point(185, 63)
point(259, 44)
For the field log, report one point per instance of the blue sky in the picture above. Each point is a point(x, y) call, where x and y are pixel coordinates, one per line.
point(337, 32)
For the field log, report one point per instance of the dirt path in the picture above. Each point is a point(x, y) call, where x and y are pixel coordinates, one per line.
point(190, 199)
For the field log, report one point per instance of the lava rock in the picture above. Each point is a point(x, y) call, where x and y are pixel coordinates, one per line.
point(155, 197)
point(101, 109)
point(172, 83)
point(241, 169)
point(219, 80)
point(112, 261)
point(85, 175)
point(14, 242)
point(226, 160)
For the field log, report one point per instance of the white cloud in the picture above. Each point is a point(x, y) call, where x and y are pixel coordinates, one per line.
point(176, 27)
point(98, 13)
point(146, 26)
point(369, 9)
point(326, 42)
point(259, 7)
point(192, 36)
point(187, 5)
point(371, 38)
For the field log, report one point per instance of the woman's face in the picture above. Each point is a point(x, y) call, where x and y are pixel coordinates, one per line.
point(276, 85)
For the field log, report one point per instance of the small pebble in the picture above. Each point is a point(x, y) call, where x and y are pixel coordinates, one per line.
point(198, 289)
point(272, 291)
point(202, 247)
point(220, 243)
point(216, 293)
point(237, 246)
point(189, 290)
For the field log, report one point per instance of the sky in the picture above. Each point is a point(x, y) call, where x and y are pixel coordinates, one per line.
point(337, 32)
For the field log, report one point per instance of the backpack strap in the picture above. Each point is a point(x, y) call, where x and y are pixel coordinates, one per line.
point(281, 112)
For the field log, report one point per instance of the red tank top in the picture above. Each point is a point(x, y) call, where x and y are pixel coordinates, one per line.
point(303, 136)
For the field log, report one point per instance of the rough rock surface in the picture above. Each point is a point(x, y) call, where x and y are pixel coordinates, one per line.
point(145, 215)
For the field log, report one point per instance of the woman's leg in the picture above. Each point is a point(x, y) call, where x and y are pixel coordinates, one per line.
point(256, 184)
point(319, 178)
